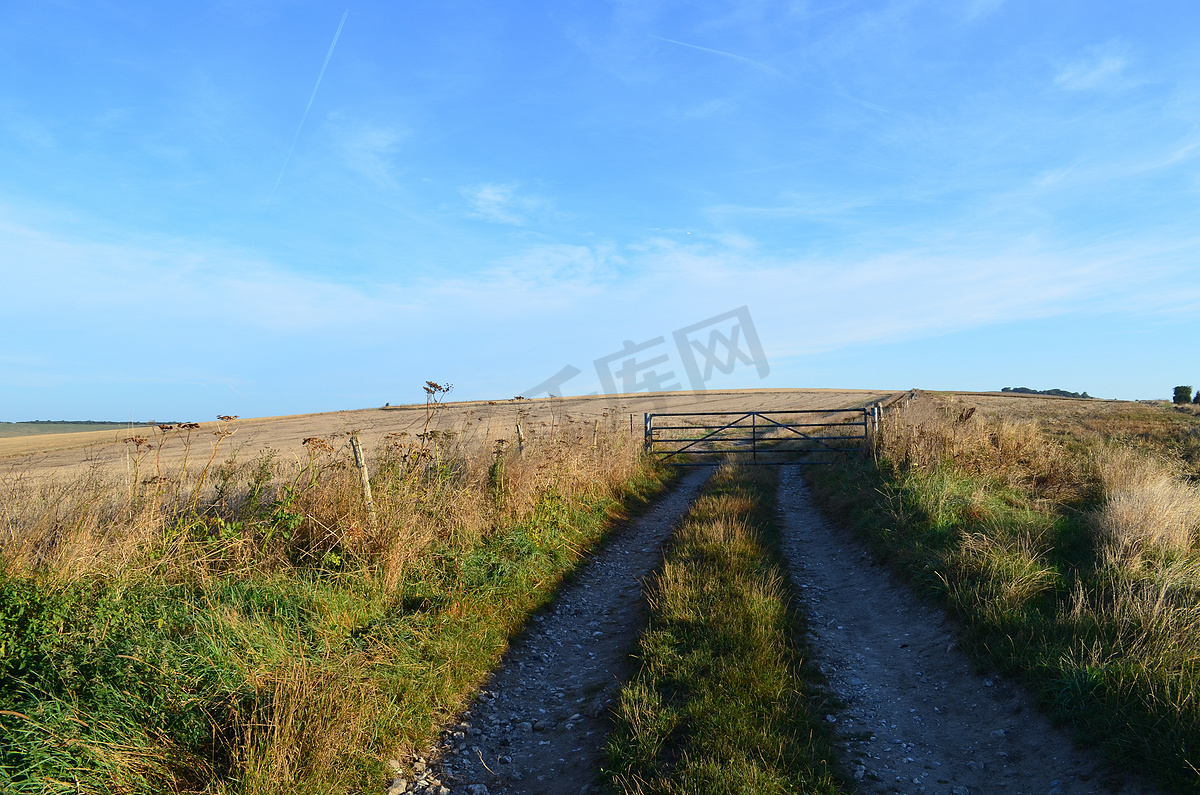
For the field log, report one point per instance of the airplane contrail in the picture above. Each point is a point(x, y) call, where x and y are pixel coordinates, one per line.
point(767, 68)
point(735, 56)
point(308, 107)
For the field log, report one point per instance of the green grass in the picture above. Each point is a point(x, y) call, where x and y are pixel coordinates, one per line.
point(722, 700)
point(296, 675)
point(1112, 649)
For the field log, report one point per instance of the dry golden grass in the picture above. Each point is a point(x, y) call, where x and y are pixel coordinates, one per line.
point(316, 712)
point(1147, 506)
point(1153, 615)
point(98, 521)
point(1147, 502)
point(94, 507)
point(952, 432)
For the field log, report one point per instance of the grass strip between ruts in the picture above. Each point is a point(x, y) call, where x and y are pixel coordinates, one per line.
point(723, 699)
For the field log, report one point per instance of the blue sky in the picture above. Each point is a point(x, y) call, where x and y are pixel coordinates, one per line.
point(958, 195)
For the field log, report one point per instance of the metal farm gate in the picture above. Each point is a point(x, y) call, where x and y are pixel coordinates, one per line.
point(802, 436)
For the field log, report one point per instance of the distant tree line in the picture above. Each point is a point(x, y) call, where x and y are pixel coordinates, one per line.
point(1024, 390)
point(1183, 394)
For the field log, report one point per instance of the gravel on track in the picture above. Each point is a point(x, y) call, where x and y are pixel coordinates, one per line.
point(918, 718)
point(541, 720)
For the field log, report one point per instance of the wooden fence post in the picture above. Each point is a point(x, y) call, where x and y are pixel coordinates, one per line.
point(360, 464)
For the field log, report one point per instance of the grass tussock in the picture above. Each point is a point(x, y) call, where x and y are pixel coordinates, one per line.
point(721, 701)
point(1148, 506)
point(935, 435)
point(1068, 551)
point(226, 625)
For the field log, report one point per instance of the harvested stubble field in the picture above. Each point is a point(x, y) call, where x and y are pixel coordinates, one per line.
point(478, 423)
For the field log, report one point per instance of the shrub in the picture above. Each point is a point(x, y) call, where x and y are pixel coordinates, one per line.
point(1183, 394)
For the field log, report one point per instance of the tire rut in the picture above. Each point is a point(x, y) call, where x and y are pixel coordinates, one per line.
point(540, 721)
point(918, 718)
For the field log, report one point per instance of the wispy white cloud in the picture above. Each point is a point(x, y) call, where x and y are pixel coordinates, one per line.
point(553, 266)
point(369, 149)
point(171, 301)
point(177, 286)
point(1103, 68)
point(952, 282)
point(709, 108)
point(30, 131)
point(976, 9)
point(530, 286)
point(503, 203)
point(812, 304)
point(803, 206)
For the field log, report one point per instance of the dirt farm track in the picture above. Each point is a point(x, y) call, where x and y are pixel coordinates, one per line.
point(479, 422)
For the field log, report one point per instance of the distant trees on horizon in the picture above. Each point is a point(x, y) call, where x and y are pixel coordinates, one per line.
point(1024, 390)
point(1183, 394)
